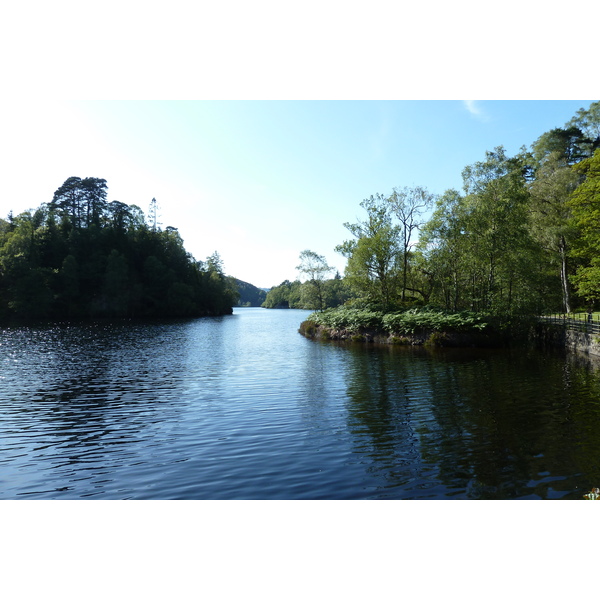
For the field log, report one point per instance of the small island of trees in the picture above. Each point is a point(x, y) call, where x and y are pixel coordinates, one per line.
point(81, 256)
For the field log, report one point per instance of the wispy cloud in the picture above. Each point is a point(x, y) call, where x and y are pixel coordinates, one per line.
point(381, 135)
point(475, 109)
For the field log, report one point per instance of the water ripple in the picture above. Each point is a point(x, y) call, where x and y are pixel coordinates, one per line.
point(242, 407)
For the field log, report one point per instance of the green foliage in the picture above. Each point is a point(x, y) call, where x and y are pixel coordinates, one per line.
point(524, 229)
point(352, 319)
point(551, 224)
point(479, 252)
point(249, 295)
point(298, 294)
point(585, 203)
point(308, 328)
point(115, 291)
point(285, 295)
point(415, 320)
point(588, 122)
point(373, 257)
point(400, 323)
point(408, 205)
point(437, 338)
point(569, 144)
point(314, 267)
point(81, 256)
point(81, 202)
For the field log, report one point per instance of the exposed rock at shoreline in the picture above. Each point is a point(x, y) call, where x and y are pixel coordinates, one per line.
point(450, 339)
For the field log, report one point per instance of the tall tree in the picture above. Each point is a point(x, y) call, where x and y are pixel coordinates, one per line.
point(81, 201)
point(373, 255)
point(588, 122)
point(551, 223)
point(445, 242)
point(314, 268)
point(214, 263)
point(68, 201)
point(497, 221)
point(408, 205)
point(119, 214)
point(568, 144)
point(94, 195)
point(153, 215)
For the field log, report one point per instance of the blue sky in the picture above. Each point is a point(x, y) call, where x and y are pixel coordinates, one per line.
point(258, 181)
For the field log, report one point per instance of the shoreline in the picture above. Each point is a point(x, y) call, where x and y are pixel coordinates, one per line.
point(541, 333)
point(426, 337)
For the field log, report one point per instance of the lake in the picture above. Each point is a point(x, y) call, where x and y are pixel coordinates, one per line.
point(244, 407)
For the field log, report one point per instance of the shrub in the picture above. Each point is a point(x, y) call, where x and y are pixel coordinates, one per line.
point(352, 319)
point(308, 328)
point(437, 338)
point(399, 323)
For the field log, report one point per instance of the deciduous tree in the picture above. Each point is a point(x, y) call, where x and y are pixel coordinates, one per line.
point(314, 268)
point(373, 264)
point(409, 205)
point(585, 202)
point(550, 211)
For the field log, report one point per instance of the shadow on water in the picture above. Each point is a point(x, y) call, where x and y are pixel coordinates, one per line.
point(463, 423)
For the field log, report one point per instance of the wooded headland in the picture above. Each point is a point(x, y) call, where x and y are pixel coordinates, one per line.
point(80, 256)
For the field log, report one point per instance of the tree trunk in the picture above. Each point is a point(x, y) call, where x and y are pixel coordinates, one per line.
point(563, 276)
point(404, 274)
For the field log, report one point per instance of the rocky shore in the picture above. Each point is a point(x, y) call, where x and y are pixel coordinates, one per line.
point(450, 339)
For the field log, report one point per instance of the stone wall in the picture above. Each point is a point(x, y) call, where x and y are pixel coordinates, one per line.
point(557, 335)
point(584, 342)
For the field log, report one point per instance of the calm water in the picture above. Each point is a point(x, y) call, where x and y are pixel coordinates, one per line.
point(243, 407)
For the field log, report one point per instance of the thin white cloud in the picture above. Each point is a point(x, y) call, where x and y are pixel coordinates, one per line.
point(475, 109)
point(380, 137)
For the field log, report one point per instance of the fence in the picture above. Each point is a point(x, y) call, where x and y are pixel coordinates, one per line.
point(576, 322)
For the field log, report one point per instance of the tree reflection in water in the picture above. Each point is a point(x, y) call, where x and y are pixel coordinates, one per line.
point(466, 423)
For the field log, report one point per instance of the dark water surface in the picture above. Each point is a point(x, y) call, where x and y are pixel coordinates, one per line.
point(243, 407)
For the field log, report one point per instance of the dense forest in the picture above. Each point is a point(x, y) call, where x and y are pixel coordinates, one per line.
point(82, 256)
point(298, 294)
point(521, 238)
point(249, 295)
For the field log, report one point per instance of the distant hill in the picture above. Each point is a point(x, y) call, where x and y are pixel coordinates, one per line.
point(250, 295)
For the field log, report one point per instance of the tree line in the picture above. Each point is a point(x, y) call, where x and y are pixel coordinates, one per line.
point(249, 295)
point(522, 237)
point(317, 292)
point(82, 256)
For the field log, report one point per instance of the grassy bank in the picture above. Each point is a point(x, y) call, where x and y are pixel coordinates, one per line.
point(414, 326)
